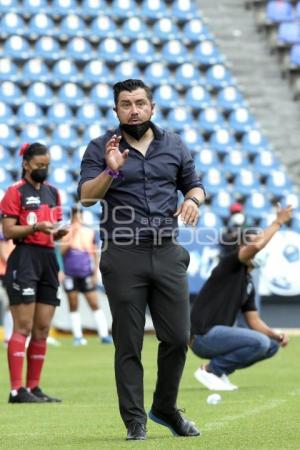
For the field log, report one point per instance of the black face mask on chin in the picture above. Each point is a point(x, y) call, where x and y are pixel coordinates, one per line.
point(39, 175)
point(136, 131)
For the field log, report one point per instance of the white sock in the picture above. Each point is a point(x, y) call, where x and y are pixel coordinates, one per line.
point(101, 323)
point(8, 325)
point(76, 324)
point(14, 392)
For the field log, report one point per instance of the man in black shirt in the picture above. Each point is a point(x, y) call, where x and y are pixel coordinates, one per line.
point(137, 170)
point(228, 290)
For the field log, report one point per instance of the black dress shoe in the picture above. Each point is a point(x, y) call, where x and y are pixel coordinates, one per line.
point(178, 424)
point(23, 396)
point(37, 392)
point(136, 432)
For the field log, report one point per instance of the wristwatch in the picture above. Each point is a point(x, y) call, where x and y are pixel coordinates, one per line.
point(194, 199)
point(115, 174)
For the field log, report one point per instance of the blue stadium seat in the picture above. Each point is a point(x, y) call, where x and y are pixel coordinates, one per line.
point(8, 136)
point(88, 114)
point(40, 24)
point(288, 33)
point(60, 8)
point(6, 114)
point(241, 121)
point(92, 132)
point(16, 47)
point(179, 118)
point(297, 11)
point(30, 112)
point(72, 26)
point(205, 160)
point(40, 93)
point(198, 98)
point(194, 31)
point(34, 6)
point(61, 179)
point(65, 71)
point(291, 198)
point(164, 30)
point(166, 96)
point(9, 70)
point(222, 141)
point(6, 178)
point(256, 205)
point(59, 113)
point(295, 55)
point(95, 71)
point(59, 157)
point(208, 219)
point(206, 54)
point(76, 158)
point(158, 118)
point(134, 28)
point(245, 182)
point(10, 93)
point(102, 27)
point(91, 8)
point(125, 70)
point(7, 6)
point(187, 75)
point(253, 142)
point(47, 48)
point(229, 98)
point(67, 201)
point(33, 133)
point(35, 70)
point(278, 183)
point(111, 50)
point(122, 9)
point(102, 95)
point(6, 161)
point(214, 181)
point(279, 11)
point(185, 10)
point(218, 77)
point(11, 23)
point(142, 51)
point(153, 9)
point(221, 202)
point(111, 119)
point(234, 161)
point(192, 138)
point(210, 120)
point(174, 52)
point(264, 162)
point(71, 94)
point(65, 135)
point(157, 73)
point(79, 49)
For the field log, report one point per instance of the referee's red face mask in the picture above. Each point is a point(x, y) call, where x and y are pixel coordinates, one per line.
point(37, 167)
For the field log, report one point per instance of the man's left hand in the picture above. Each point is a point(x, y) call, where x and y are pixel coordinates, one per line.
point(188, 212)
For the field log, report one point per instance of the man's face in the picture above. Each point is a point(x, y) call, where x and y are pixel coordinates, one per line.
point(134, 107)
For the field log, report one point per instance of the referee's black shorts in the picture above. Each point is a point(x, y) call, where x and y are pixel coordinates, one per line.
point(32, 275)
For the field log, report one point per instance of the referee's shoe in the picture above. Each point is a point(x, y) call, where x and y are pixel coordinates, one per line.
point(23, 396)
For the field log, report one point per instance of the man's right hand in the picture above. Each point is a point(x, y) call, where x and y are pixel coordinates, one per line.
point(283, 215)
point(113, 157)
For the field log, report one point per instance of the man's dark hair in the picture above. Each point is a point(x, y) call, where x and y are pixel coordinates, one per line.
point(35, 149)
point(131, 85)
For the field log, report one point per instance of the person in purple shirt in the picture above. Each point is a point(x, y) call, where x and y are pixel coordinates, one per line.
point(136, 170)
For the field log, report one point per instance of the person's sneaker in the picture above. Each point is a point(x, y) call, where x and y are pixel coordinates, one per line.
point(107, 340)
point(79, 341)
point(23, 396)
point(176, 422)
point(37, 392)
point(211, 381)
point(136, 432)
point(228, 382)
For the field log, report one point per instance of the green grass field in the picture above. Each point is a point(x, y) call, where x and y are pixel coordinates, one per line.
point(263, 414)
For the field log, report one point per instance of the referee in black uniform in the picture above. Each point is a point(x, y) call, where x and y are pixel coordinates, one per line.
point(137, 170)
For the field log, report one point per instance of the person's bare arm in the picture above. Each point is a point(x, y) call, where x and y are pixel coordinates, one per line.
point(11, 230)
point(188, 210)
point(94, 190)
point(256, 323)
point(249, 250)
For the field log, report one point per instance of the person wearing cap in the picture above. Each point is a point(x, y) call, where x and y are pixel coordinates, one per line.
point(80, 259)
point(31, 210)
point(137, 170)
point(227, 291)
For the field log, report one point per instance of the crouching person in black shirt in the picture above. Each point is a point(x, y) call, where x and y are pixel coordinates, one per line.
point(228, 290)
